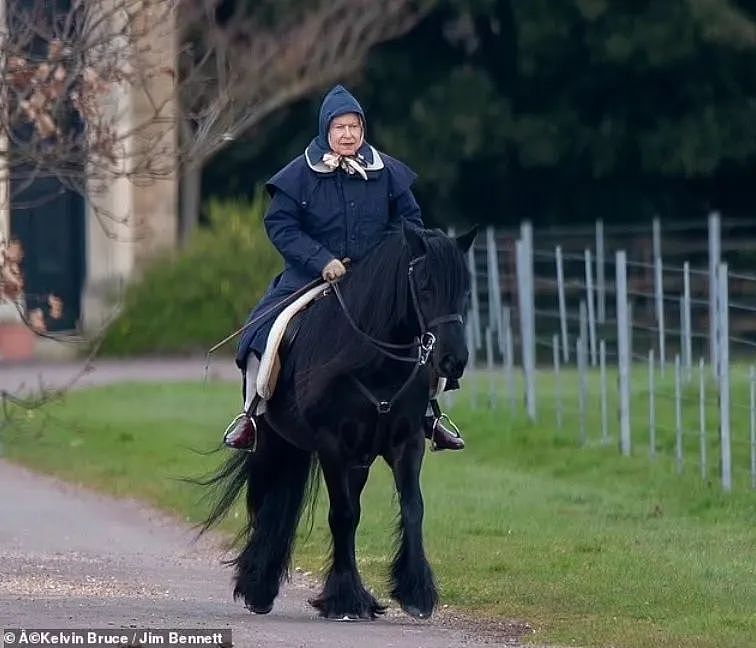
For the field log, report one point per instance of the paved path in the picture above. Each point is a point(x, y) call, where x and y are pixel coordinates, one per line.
point(72, 558)
point(15, 378)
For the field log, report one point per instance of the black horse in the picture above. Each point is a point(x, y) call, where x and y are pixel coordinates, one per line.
point(354, 386)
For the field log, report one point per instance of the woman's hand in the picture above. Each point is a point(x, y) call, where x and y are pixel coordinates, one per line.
point(333, 270)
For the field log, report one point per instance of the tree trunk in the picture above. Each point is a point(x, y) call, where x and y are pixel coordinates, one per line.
point(190, 189)
point(191, 197)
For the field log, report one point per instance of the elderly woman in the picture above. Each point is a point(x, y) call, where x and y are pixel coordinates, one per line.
point(331, 203)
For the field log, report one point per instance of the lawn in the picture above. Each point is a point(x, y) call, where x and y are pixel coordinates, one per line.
point(592, 548)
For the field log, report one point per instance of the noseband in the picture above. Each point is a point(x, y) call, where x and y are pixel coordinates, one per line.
point(423, 344)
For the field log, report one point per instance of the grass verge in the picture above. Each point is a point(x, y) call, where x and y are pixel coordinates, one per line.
point(592, 548)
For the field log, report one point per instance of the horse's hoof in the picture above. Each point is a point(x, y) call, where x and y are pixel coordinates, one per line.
point(348, 617)
point(416, 613)
point(364, 611)
point(260, 609)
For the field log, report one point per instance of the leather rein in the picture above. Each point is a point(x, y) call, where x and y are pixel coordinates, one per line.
point(424, 343)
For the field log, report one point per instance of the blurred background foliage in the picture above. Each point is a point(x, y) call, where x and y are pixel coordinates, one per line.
point(558, 112)
point(183, 304)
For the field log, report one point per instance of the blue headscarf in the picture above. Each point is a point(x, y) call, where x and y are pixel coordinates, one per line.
point(339, 101)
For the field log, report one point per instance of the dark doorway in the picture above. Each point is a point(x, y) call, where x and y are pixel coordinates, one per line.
point(46, 216)
point(48, 220)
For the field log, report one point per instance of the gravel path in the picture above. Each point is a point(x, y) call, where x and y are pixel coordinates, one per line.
point(71, 558)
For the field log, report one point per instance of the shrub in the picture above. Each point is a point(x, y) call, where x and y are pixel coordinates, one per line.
point(186, 303)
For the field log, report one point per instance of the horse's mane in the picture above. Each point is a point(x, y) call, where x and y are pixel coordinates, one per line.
point(376, 291)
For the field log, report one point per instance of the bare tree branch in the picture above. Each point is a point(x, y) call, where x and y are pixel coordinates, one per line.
point(68, 77)
point(96, 92)
point(327, 43)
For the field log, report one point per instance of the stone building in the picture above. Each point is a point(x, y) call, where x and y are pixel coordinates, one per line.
point(86, 248)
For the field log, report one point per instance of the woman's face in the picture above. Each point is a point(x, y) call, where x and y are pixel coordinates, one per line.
point(345, 134)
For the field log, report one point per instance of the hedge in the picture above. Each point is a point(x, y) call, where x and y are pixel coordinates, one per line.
point(185, 303)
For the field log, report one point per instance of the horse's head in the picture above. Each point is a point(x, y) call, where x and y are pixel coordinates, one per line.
point(440, 286)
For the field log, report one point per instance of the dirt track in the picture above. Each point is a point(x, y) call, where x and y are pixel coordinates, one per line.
point(72, 558)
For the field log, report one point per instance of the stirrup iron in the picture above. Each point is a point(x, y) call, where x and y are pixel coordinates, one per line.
point(453, 428)
point(232, 425)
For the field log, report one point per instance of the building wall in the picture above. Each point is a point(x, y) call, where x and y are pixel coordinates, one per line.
point(131, 220)
point(131, 215)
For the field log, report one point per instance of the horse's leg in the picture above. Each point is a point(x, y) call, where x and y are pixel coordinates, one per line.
point(343, 594)
point(412, 580)
point(276, 485)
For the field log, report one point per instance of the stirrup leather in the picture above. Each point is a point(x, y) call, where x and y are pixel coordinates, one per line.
point(453, 428)
point(232, 425)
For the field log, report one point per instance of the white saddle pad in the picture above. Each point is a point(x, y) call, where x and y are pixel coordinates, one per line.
point(267, 376)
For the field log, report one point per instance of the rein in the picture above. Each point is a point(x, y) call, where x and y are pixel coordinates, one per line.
point(262, 316)
point(424, 344)
point(378, 344)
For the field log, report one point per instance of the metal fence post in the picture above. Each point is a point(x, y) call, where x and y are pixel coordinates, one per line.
point(562, 303)
point(557, 383)
point(583, 322)
point(474, 300)
point(506, 314)
point(715, 250)
point(470, 339)
point(591, 311)
point(490, 368)
point(600, 272)
point(472, 385)
point(687, 328)
point(623, 352)
point(582, 361)
point(702, 414)
point(494, 286)
point(527, 320)
point(678, 416)
point(659, 292)
point(752, 390)
point(526, 231)
point(651, 405)
point(724, 376)
point(681, 311)
point(604, 404)
point(630, 348)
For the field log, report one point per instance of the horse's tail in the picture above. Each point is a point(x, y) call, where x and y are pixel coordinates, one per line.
point(280, 483)
point(224, 487)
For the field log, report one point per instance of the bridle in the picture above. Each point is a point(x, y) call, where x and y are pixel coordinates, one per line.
point(424, 344)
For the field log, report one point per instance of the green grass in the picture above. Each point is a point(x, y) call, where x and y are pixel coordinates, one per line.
point(592, 548)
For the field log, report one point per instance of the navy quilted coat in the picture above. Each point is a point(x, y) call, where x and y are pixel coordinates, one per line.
point(317, 214)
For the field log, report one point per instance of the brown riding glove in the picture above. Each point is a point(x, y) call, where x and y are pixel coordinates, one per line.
point(333, 270)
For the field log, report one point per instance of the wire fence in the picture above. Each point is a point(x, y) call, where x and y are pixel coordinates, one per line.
point(644, 334)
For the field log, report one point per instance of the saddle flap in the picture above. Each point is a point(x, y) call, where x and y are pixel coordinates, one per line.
point(270, 363)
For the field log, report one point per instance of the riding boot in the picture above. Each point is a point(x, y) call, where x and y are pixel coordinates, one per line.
point(441, 436)
point(241, 433)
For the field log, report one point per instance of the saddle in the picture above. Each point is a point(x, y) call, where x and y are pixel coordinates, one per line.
point(284, 331)
point(282, 334)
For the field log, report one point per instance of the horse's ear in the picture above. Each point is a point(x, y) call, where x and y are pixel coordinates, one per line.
point(466, 240)
point(414, 239)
